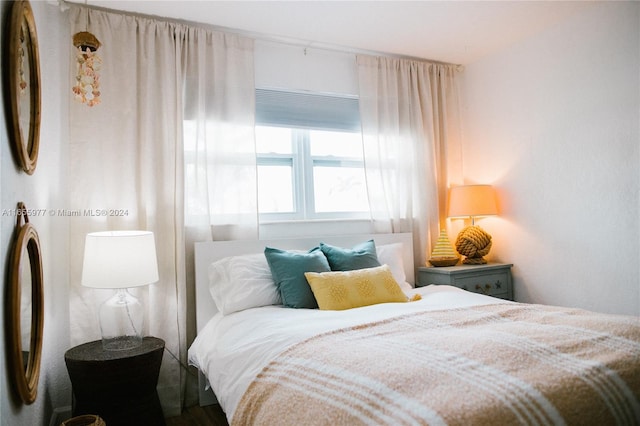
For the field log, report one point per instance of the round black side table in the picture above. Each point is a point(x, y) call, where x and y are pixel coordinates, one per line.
point(119, 386)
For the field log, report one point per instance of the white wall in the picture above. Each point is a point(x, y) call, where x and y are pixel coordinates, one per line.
point(291, 67)
point(45, 189)
point(553, 123)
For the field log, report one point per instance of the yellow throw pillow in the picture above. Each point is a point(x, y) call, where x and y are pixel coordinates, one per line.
point(351, 289)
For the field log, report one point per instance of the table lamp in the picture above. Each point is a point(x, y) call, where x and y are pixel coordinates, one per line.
point(471, 201)
point(120, 260)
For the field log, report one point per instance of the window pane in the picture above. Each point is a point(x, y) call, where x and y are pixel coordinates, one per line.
point(273, 140)
point(339, 189)
point(275, 189)
point(338, 144)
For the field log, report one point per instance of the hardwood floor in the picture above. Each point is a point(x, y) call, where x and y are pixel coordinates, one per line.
point(210, 415)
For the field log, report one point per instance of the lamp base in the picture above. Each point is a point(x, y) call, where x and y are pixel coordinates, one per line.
point(474, 261)
point(121, 321)
point(473, 242)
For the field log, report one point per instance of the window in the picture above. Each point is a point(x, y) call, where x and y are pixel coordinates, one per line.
point(309, 157)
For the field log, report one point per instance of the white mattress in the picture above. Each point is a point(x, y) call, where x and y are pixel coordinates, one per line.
point(231, 350)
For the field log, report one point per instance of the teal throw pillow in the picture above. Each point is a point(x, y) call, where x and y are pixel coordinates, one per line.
point(361, 256)
point(288, 268)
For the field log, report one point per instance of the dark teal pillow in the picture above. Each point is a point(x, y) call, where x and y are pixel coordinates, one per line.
point(361, 256)
point(288, 268)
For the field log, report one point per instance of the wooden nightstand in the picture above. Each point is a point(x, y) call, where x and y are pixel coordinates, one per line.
point(119, 386)
point(492, 279)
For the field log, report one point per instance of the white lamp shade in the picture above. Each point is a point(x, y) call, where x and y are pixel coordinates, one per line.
point(119, 259)
point(472, 200)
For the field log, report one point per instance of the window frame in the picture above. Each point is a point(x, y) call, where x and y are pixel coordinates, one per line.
point(303, 164)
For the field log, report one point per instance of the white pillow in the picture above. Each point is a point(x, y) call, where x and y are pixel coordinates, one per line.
point(237, 283)
point(391, 255)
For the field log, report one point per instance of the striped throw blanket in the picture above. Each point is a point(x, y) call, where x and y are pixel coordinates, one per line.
point(502, 364)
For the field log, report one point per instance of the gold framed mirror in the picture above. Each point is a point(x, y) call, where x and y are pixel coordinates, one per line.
point(24, 85)
point(25, 313)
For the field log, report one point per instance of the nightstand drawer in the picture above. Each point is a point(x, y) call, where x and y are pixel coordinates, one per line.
point(493, 279)
point(489, 284)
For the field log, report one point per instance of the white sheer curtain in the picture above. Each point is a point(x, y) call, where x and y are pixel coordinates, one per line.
point(222, 201)
point(127, 154)
point(220, 161)
point(410, 127)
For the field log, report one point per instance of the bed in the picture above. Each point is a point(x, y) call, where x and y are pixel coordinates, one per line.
point(440, 355)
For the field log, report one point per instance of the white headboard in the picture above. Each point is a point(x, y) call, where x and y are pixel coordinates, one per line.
point(207, 252)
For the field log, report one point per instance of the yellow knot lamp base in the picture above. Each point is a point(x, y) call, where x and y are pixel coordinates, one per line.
point(474, 243)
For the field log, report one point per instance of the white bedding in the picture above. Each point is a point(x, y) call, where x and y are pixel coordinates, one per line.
point(231, 350)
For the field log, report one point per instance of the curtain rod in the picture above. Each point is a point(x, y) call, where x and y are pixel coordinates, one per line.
point(292, 41)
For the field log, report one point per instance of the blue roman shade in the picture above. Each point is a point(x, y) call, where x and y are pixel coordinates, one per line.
point(309, 110)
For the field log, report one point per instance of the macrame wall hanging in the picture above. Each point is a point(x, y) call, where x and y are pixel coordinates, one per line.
point(88, 63)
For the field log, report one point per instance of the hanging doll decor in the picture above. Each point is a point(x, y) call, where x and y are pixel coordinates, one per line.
point(87, 86)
